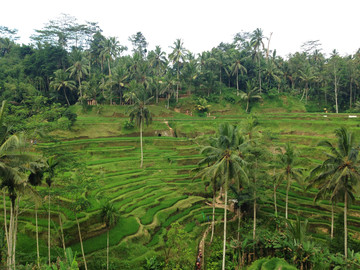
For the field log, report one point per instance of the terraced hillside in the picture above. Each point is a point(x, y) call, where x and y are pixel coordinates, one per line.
point(151, 199)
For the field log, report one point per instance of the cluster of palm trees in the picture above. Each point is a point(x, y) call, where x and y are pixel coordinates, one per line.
point(233, 159)
point(21, 171)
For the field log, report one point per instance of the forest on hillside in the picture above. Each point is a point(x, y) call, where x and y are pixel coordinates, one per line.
point(69, 62)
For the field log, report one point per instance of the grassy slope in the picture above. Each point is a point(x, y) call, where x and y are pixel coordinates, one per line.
point(150, 199)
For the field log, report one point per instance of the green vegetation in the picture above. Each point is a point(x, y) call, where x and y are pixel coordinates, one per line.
point(259, 149)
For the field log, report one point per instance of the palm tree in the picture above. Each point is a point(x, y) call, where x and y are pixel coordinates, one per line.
point(158, 61)
point(252, 93)
point(176, 56)
point(168, 87)
point(79, 70)
point(109, 215)
point(287, 162)
point(61, 81)
point(306, 75)
point(51, 165)
point(256, 41)
point(35, 179)
point(120, 77)
point(142, 115)
point(110, 49)
point(341, 171)
point(14, 162)
point(225, 163)
point(235, 68)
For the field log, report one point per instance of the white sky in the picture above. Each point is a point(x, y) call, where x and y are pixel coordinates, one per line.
point(201, 24)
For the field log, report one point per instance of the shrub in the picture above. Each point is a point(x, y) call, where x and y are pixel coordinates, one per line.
point(128, 125)
point(271, 264)
point(71, 116)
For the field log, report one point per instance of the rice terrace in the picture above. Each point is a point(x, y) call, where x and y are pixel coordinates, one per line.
point(234, 158)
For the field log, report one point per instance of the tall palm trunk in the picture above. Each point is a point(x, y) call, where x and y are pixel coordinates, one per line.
point(67, 100)
point(37, 236)
point(225, 213)
point(237, 83)
point(141, 146)
point(259, 76)
point(239, 223)
point(254, 226)
point(225, 222)
point(332, 221)
point(6, 230)
point(49, 220)
point(107, 251)
point(81, 243)
point(287, 197)
point(62, 235)
point(275, 205)
point(336, 90)
point(213, 218)
point(177, 86)
point(345, 225)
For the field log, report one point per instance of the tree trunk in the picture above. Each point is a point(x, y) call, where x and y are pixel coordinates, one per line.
point(16, 215)
point(259, 77)
point(67, 100)
point(141, 147)
point(239, 224)
point(81, 243)
point(37, 236)
point(177, 85)
point(275, 205)
point(62, 235)
point(345, 225)
point(225, 221)
point(287, 198)
point(336, 91)
point(351, 80)
point(254, 227)
point(107, 251)
point(109, 67)
point(332, 221)
point(6, 229)
point(49, 220)
point(237, 83)
point(213, 218)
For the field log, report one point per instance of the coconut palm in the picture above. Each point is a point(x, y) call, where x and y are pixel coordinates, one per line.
point(341, 171)
point(141, 114)
point(256, 41)
point(35, 179)
point(109, 216)
point(235, 68)
point(158, 61)
point(14, 162)
point(168, 87)
point(225, 163)
point(79, 70)
point(287, 162)
point(61, 81)
point(176, 56)
point(51, 165)
point(110, 49)
point(252, 93)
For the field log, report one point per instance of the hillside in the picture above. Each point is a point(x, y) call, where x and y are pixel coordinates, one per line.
point(163, 192)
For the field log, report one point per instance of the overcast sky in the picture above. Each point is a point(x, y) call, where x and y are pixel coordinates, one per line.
point(201, 24)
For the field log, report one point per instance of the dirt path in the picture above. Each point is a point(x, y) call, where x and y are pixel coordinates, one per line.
point(170, 128)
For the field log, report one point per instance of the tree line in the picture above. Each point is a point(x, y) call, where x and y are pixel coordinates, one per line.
point(68, 62)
